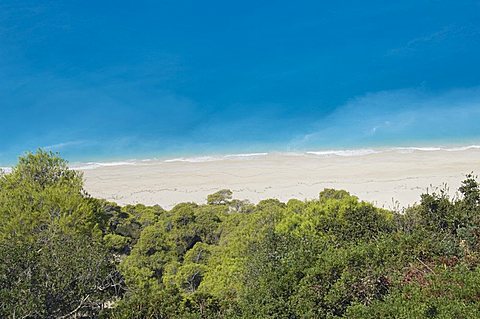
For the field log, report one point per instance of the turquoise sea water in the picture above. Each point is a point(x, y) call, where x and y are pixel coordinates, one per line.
point(412, 119)
point(174, 79)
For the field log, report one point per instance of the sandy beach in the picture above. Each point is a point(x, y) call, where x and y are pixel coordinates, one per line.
point(390, 178)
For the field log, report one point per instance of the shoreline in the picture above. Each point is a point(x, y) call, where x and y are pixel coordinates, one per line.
point(217, 156)
point(346, 152)
point(390, 178)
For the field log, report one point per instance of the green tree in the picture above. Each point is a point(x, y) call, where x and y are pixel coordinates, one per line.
point(222, 197)
point(53, 260)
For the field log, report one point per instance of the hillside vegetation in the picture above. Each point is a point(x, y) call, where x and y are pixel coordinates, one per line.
point(65, 254)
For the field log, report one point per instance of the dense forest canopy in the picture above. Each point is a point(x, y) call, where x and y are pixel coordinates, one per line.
point(65, 254)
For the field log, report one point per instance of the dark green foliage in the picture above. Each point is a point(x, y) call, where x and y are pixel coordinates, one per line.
point(59, 274)
point(54, 263)
point(45, 169)
point(439, 292)
point(276, 265)
point(329, 193)
point(64, 254)
point(149, 303)
point(222, 197)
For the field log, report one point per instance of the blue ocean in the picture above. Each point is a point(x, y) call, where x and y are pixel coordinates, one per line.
point(185, 79)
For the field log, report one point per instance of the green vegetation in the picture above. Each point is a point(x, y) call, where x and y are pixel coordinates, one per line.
point(65, 254)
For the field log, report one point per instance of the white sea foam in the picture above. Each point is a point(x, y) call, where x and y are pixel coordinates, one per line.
point(199, 159)
point(463, 148)
point(344, 153)
point(432, 149)
point(406, 150)
point(241, 156)
point(245, 155)
point(402, 150)
point(93, 165)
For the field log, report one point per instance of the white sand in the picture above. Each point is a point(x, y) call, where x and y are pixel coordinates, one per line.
point(389, 178)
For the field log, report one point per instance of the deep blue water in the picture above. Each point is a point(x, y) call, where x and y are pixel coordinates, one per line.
point(179, 78)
